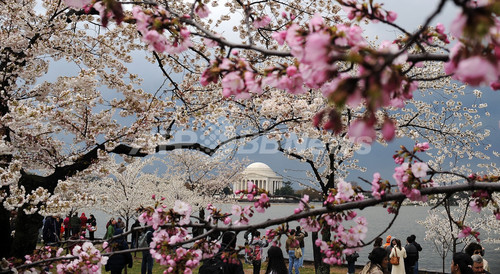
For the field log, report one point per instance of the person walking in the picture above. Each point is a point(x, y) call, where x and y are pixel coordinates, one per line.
point(291, 244)
point(301, 234)
point(400, 252)
point(276, 262)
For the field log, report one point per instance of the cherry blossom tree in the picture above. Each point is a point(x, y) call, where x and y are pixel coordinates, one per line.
point(190, 176)
point(288, 64)
point(443, 233)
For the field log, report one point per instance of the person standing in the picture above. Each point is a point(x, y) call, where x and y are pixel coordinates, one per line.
point(377, 242)
point(49, 232)
point(460, 264)
point(83, 222)
point(92, 226)
point(276, 262)
point(110, 231)
point(147, 258)
point(216, 263)
point(135, 233)
point(301, 235)
point(378, 262)
point(67, 227)
point(120, 224)
point(388, 248)
point(256, 246)
point(351, 261)
point(411, 255)
point(475, 248)
point(75, 223)
point(118, 261)
point(291, 243)
point(59, 227)
point(400, 252)
point(419, 248)
point(388, 242)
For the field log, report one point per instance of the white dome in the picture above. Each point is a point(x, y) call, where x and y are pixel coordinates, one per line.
point(260, 169)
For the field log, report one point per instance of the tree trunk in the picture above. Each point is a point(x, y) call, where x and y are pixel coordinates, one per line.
point(319, 266)
point(443, 259)
point(27, 228)
point(5, 237)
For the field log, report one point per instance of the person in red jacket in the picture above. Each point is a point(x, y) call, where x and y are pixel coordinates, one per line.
point(83, 224)
point(67, 227)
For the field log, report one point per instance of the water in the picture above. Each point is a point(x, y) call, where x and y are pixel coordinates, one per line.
point(377, 219)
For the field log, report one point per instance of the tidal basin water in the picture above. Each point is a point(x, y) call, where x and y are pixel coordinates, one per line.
point(377, 219)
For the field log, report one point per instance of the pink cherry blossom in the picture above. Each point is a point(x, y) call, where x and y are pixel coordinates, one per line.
point(77, 3)
point(391, 16)
point(388, 130)
point(440, 28)
point(316, 22)
point(279, 36)
point(476, 71)
point(422, 146)
point(458, 24)
point(155, 40)
point(361, 132)
point(262, 21)
point(232, 84)
point(474, 206)
point(316, 51)
point(466, 231)
point(202, 11)
point(236, 210)
point(419, 169)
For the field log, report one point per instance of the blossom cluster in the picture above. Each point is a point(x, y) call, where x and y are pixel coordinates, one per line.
point(345, 240)
point(155, 24)
point(88, 259)
point(481, 198)
point(253, 191)
point(166, 246)
point(409, 175)
point(474, 60)
point(380, 79)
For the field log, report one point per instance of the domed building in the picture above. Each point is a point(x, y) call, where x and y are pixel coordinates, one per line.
point(261, 175)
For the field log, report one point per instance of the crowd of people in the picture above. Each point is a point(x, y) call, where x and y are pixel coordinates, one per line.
point(392, 257)
point(254, 246)
point(55, 229)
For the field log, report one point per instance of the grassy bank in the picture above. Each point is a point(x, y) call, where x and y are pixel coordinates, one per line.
point(157, 269)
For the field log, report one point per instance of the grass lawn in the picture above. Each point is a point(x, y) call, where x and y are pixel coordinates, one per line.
point(157, 269)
